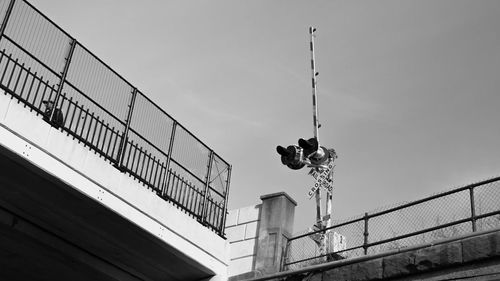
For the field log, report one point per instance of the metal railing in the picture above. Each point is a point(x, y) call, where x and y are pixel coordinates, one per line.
point(39, 61)
point(467, 209)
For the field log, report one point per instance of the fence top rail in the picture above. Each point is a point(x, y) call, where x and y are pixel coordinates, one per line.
point(47, 18)
point(179, 124)
point(103, 63)
point(439, 195)
point(415, 233)
point(403, 206)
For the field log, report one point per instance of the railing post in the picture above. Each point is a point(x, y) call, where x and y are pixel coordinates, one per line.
point(207, 183)
point(6, 18)
point(365, 234)
point(224, 214)
point(472, 210)
point(63, 78)
point(123, 143)
point(169, 159)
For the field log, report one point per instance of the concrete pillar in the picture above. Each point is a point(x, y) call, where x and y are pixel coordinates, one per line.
point(276, 225)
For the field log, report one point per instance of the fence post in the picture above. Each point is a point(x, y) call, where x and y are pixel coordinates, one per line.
point(6, 18)
point(63, 77)
point(169, 159)
point(224, 211)
point(123, 143)
point(365, 234)
point(472, 209)
point(207, 183)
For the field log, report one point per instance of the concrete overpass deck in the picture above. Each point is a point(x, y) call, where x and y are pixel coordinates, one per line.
point(49, 231)
point(68, 214)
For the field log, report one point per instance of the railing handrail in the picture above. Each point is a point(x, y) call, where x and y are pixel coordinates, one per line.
point(432, 197)
point(399, 207)
point(48, 19)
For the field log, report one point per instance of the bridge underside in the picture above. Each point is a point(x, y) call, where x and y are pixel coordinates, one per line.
point(50, 231)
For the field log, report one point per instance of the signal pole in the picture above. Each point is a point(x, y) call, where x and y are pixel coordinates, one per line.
point(316, 125)
point(318, 153)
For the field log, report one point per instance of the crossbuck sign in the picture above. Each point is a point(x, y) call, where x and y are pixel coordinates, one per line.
point(322, 179)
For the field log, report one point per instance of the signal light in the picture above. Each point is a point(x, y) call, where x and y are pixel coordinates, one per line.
point(310, 146)
point(306, 153)
point(318, 156)
point(292, 156)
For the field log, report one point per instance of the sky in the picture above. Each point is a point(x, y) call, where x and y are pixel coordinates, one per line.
point(408, 91)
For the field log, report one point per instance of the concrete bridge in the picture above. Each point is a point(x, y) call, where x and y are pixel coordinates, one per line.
point(108, 193)
point(68, 214)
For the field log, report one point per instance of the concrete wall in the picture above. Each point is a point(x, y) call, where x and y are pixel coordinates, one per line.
point(27, 135)
point(242, 227)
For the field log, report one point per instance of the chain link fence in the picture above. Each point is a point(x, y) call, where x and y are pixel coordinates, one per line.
point(39, 61)
point(462, 210)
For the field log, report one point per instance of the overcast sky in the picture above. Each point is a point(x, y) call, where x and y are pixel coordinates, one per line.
point(408, 91)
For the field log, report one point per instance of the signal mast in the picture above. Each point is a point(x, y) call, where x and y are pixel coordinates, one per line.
point(320, 159)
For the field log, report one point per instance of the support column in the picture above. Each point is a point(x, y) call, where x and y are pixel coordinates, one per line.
point(276, 226)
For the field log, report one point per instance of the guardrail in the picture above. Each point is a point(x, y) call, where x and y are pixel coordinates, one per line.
point(467, 209)
point(39, 61)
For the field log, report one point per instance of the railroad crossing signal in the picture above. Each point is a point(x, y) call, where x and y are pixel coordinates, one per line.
point(308, 152)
